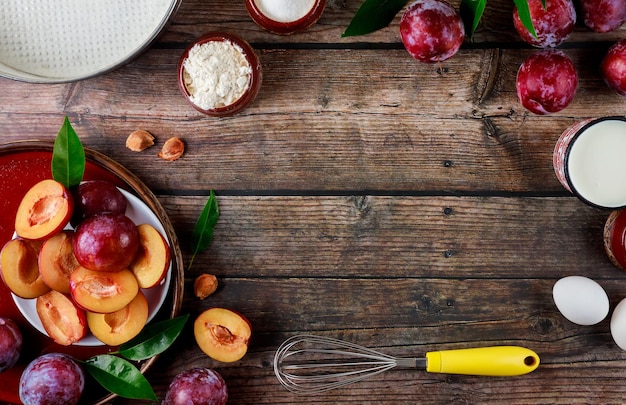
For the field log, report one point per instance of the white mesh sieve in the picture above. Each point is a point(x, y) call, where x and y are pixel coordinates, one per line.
point(61, 40)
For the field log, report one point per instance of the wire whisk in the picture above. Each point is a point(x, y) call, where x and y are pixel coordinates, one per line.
point(312, 364)
point(309, 364)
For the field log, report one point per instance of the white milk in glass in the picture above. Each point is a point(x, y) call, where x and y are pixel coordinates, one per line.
point(596, 163)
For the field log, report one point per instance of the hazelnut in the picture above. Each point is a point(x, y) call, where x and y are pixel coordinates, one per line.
point(172, 149)
point(205, 285)
point(139, 140)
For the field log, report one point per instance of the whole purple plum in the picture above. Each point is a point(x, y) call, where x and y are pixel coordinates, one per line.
point(603, 15)
point(52, 379)
point(106, 242)
point(197, 386)
point(95, 197)
point(10, 343)
point(546, 82)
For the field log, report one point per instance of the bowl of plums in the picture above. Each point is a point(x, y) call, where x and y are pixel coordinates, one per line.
point(84, 268)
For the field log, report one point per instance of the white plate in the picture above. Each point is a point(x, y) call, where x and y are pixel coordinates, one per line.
point(140, 214)
point(53, 41)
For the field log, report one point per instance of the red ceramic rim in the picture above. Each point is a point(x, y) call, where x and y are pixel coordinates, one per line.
point(255, 80)
point(285, 28)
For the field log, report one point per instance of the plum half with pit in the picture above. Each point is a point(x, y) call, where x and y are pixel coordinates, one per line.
point(222, 334)
point(102, 291)
point(552, 23)
point(44, 210)
point(52, 379)
point(431, 30)
point(97, 196)
point(10, 343)
point(197, 386)
point(546, 82)
point(106, 242)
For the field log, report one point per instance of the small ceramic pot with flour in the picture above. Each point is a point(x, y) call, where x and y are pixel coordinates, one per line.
point(219, 74)
point(285, 17)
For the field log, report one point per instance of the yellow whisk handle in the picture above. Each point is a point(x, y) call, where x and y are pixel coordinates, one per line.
point(497, 361)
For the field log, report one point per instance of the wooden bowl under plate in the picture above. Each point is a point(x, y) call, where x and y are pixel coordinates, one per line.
point(24, 163)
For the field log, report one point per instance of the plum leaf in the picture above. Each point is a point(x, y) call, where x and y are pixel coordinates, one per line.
point(153, 339)
point(372, 16)
point(471, 13)
point(68, 156)
point(120, 377)
point(524, 15)
point(203, 231)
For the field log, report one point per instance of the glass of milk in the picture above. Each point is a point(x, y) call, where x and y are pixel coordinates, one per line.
point(590, 161)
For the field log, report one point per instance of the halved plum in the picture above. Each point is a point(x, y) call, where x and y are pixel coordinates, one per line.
point(44, 210)
point(120, 326)
point(102, 292)
point(153, 257)
point(19, 269)
point(222, 334)
point(63, 321)
point(57, 261)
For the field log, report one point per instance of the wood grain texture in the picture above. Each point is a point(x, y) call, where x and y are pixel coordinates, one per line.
point(362, 120)
point(403, 206)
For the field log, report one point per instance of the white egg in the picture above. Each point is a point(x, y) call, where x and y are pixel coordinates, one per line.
point(581, 300)
point(618, 324)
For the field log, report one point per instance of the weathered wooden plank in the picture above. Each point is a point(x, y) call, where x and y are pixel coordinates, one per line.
point(363, 122)
point(395, 236)
point(334, 81)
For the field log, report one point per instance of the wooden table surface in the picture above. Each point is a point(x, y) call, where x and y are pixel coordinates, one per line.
point(403, 206)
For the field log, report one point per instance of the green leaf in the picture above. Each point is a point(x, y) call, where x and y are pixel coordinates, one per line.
point(471, 13)
point(68, 156)
point(154, 339)
point(120, 377)
point(373, 15)
point(524, 15)
point(203, 231)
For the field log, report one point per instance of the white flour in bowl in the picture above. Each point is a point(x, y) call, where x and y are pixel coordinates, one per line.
point(216, 74)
